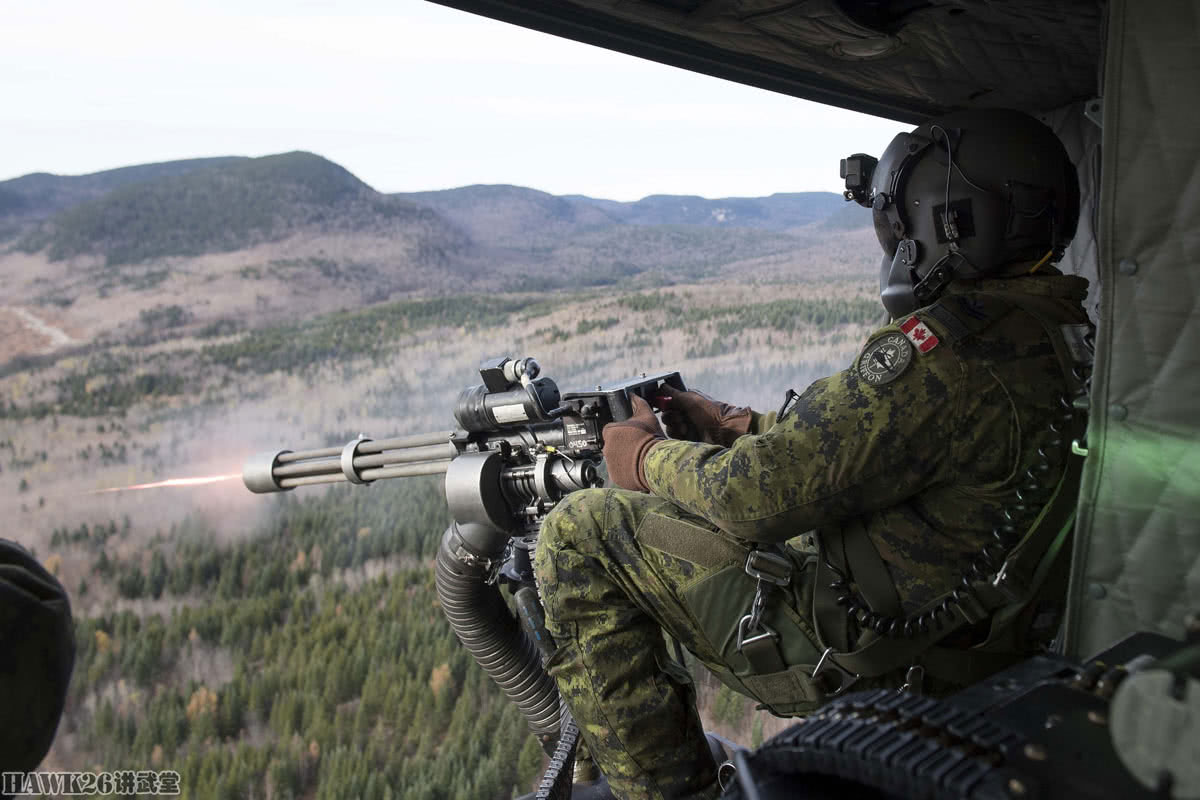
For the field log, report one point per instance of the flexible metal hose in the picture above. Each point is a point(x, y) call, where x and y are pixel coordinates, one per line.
point(494, 637)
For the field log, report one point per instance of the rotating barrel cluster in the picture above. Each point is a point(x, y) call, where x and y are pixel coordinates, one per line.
point(360, 460)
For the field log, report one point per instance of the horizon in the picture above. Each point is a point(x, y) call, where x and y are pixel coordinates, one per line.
point(416, 191)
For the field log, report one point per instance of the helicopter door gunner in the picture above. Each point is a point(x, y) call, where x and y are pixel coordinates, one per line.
point(922, 475)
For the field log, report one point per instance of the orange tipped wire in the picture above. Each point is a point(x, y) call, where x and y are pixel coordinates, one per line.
point(1041, 263)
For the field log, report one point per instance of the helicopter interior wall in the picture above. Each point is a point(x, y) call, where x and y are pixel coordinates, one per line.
point(1136, 560)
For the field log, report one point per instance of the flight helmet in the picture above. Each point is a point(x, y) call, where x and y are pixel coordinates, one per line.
point(961, 197)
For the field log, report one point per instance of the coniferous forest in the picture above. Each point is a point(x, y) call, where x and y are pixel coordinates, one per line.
point(338, 687)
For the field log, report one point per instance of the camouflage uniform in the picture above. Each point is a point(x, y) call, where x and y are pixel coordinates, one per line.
point(925, 462)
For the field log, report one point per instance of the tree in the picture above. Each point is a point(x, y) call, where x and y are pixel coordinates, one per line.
point(157, 577)
point(132, 583)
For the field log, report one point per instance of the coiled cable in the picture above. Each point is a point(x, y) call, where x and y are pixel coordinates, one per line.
point(1031, 493)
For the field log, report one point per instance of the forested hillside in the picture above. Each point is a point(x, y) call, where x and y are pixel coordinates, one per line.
point(250, 242)
point(40, 195)
point(500, 212)
point(317, 666)
point(228, 205)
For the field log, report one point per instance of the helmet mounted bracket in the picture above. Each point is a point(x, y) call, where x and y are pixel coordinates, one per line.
point(857, 171)
point(927, 289)
point(914, 148)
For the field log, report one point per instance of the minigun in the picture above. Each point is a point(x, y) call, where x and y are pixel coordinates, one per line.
point(520, 447)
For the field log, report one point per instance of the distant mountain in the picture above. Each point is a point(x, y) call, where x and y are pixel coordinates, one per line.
point(778, 212)
point(40, 195)
point(849, 217)
point(225, 205)
point(213, 205)
point(213, 245)
point(529, 239)
point(506, 215)
point(511, 213)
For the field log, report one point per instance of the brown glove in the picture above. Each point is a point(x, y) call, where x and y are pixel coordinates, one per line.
point(626, 444)
point(697, 417)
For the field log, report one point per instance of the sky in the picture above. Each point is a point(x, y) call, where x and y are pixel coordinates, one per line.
point(406, 94)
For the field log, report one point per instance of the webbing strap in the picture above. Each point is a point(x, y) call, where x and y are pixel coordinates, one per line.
point(785, 692)
point(832, 620)
point(763, 656)
point(963, 667)
point(871, 574)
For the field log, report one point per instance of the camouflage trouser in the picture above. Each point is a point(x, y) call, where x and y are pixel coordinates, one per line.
point(615, 569)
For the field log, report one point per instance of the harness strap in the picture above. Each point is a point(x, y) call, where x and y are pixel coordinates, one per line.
point(831, 620)
point(881, 655)
point(762, 653)
point(962, 667)
point(874, 581)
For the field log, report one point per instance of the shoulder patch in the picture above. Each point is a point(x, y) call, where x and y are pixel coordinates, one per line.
point(884, 359)
point(919, 334)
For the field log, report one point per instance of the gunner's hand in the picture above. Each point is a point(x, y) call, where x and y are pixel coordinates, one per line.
point(696, 417)
point(626, 444)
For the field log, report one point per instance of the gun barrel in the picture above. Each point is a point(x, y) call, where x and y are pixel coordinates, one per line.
point(359, 461)
point(405, 442)
point(401, 471)
point(431, 452)
point(373, 446)
point(323, 466)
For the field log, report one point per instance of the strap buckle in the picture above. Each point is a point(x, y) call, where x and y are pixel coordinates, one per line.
point(762, 630)
point(827, 669)
point(769, 570)
point(763, 565)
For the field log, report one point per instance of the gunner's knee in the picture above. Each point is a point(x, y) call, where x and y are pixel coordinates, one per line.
point(577, 517)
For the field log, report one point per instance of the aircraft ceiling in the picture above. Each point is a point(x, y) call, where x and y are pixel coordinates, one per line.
point(902, 59)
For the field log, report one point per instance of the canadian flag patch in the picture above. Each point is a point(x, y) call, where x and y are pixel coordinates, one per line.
point(919, 334)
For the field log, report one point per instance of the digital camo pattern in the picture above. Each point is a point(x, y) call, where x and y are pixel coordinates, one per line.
point(926, 463)
point(607, 603)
